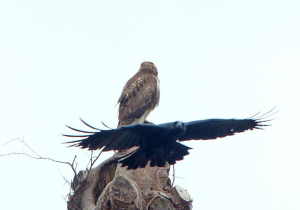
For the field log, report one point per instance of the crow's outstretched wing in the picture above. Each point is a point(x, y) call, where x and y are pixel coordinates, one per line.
point(215, 128)
point(218, 128)
point(115, 139)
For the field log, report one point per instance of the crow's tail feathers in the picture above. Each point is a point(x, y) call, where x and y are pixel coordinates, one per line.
point(140, 157)
point(179, 151)
point(135, 159)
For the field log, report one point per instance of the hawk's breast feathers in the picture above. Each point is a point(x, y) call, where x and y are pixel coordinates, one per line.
point(140, 95)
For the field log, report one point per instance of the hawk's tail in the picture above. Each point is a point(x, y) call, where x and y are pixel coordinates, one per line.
point(140, 157)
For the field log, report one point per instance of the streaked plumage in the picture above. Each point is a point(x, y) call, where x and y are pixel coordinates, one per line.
point(139, 96)
point(160, 143)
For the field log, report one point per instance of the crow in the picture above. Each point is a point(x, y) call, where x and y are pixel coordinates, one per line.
point(161, 143)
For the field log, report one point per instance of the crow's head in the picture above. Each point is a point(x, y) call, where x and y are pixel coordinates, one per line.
point(177, 129)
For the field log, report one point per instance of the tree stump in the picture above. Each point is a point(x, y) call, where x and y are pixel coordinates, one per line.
point(112, 187)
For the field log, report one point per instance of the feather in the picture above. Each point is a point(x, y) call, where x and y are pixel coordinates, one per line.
point(89, 125)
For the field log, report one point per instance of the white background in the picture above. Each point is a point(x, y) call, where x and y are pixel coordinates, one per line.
point(60, 60)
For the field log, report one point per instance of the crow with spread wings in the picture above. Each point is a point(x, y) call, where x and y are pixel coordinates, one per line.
point(161, 143)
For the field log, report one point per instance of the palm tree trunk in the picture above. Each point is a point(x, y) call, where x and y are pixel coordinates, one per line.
point(110, 186)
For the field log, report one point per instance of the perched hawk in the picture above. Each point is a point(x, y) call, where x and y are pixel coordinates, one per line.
point(139, 96)
point(159, 144)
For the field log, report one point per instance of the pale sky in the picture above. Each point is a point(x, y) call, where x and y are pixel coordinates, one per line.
point(61, 60)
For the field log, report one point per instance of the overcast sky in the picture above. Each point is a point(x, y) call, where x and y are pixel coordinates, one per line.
point(60, 60)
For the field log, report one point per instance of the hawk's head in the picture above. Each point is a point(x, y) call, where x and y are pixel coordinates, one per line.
point(148, 67)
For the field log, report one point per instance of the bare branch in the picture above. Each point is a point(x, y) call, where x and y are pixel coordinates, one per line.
point(66, 181)
point(9, 142)
point(173, 177)
point(92, 163)
point(38, 157)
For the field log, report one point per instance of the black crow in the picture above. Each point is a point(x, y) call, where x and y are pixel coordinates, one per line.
point(160, 143)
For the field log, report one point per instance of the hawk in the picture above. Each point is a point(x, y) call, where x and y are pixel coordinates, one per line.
point(139, 96)
point(159, 144)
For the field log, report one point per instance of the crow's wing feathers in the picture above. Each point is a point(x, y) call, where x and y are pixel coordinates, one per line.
point(116, 139)
point(217, 128)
